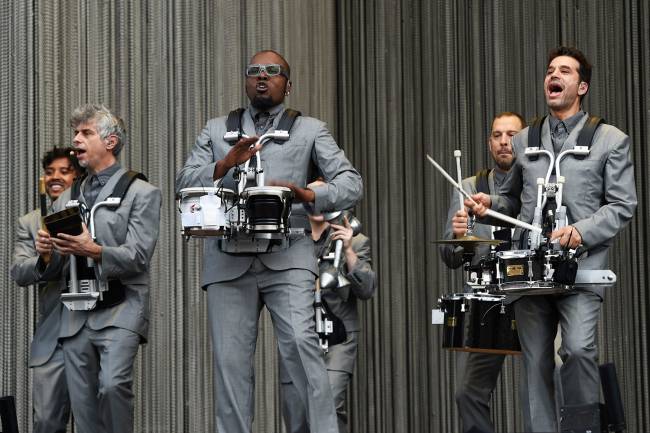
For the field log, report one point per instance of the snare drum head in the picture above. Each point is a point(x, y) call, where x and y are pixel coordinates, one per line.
point(199, 191)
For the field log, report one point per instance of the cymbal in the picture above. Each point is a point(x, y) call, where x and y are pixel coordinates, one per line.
point(468, 241)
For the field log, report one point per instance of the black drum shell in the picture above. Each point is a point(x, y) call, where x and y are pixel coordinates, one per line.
point(486, 325)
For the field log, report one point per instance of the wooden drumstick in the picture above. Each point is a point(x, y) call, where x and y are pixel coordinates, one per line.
point(460, 178)
point(489, 212)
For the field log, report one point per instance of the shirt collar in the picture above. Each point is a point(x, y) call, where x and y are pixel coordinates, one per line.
point(273, 111)
point(107, 173)
point(569, 123)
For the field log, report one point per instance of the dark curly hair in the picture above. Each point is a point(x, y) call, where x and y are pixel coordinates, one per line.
point(61, 152)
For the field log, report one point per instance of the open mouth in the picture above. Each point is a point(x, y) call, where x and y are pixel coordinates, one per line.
point(261, 87)
point(55, 186)
point(555, 89)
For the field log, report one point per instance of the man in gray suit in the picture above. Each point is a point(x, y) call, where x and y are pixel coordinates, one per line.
point(600, 198)
point(49, 389)
point(282, 279)
point(100, 345)
point(481, 369)
point(358, 283)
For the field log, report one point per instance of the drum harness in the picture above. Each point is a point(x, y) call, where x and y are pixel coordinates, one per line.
point(550, 213)
point(234, 132)
point(85, 290)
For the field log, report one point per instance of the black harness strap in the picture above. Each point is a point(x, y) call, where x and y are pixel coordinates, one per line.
point(288, 118)
point(121, 187)
point(482, 183)
point(586, 135)
point(535, 132)
point(234, 124)
point(123, 184)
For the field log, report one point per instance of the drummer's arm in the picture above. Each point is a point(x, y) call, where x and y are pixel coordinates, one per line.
point(507, 200)
point(241, 152)
point(453, 256)
point(358, 263)
point(343, 186)
point(200, 165)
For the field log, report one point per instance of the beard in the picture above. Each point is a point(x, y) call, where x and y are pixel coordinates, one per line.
point(504, 165)
point(262, 102)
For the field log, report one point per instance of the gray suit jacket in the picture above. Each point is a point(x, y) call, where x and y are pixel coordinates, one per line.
point(128, 236)
point(599, 192)
point(310, 148)
point(49, 303)
point(343, 300)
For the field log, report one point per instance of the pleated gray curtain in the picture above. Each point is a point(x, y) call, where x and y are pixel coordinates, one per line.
point(395, 80)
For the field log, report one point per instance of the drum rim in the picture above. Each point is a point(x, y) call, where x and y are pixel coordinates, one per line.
point(484, 296)
point(515, 254)
point(256, 190)
point(205, 189)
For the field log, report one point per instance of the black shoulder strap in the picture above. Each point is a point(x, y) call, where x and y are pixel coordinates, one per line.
point(482, 182)
point(75, 189)
point(125, 181)
point(285, 124)
point(535, 132)
point(233, 125)
point(586, 135)
point(286, 121)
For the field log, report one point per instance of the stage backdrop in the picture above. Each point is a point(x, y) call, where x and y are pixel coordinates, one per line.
point(395, 79)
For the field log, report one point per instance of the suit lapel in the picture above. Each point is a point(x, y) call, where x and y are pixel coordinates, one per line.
point(110, 185)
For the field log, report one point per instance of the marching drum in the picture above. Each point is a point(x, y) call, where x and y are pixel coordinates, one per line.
point(532, 272)
point(479, 323)
point(525, 272)
point(205, 211)
point(267, 209)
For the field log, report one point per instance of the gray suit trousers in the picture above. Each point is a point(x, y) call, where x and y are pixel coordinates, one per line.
point(339, 362)
point(99, 370)
point(473, 397)
point(234, 308)
point(537, 320)
point(50, 395)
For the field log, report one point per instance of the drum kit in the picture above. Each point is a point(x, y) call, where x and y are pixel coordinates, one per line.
point(482, 319)
point(250, 214)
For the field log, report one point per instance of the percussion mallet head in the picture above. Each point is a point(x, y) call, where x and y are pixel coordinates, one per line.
point(329, 279)
point(355, 225)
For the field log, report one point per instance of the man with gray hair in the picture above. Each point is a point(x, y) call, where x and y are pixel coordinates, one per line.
point(100, 344)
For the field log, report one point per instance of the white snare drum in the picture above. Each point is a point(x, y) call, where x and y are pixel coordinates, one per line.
point(205, 211)
point(267, 209)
